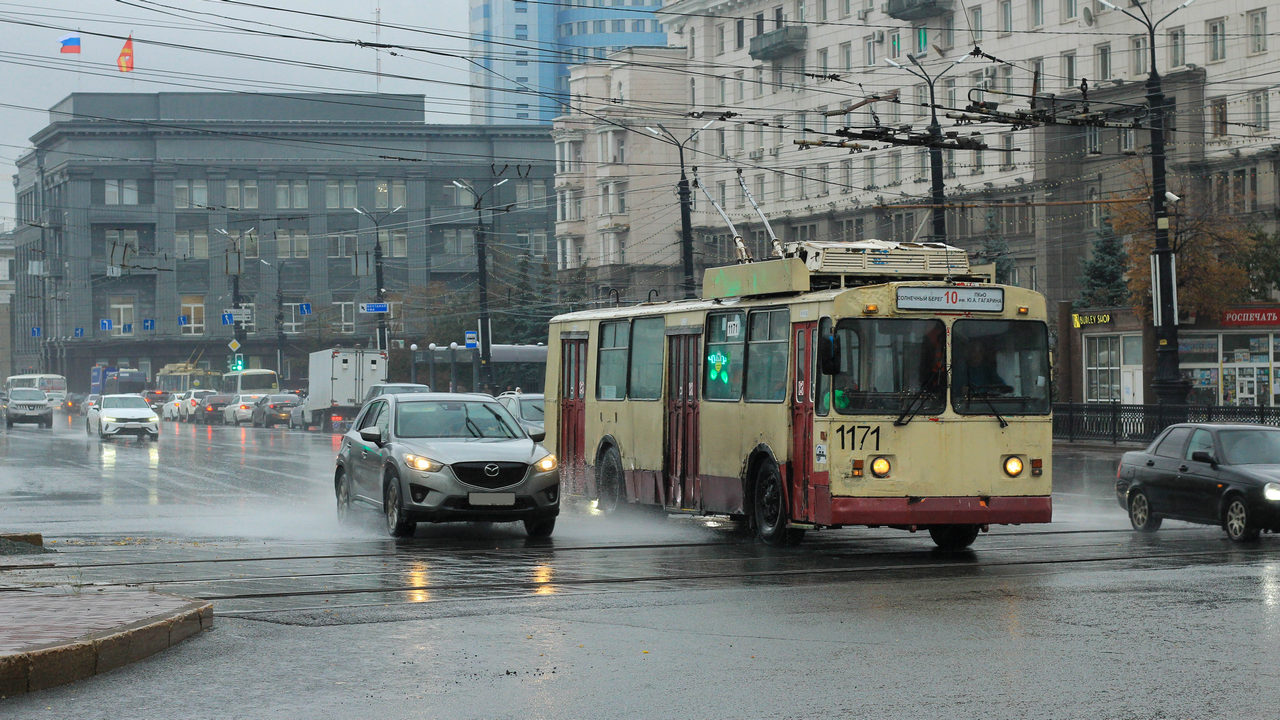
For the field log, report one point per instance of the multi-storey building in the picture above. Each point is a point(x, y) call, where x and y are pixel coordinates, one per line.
point(523, 51)
point(7, 272)
point(136, 207)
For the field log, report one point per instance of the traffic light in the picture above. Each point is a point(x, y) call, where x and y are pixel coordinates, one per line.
point(238, 362)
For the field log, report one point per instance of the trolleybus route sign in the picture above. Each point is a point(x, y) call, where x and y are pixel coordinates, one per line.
point(979, 299)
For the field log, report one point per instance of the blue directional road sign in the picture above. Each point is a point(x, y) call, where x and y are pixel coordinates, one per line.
point(228, 319)
point(148, 324)
point(183, 320)
point(104, 324)
point(304, 308)
point(374, 307)
point(35, 332)
point(79, 332)
point(127, 328)
point(472, 339)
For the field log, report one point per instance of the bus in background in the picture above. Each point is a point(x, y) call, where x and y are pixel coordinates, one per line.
point(123, 381)
point(258, 381)
point(54, 386)
point(178, 378)
point(865, 383)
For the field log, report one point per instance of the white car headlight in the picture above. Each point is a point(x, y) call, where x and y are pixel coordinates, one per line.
point(546, 464)
point(108, 418)
point(425, 464)
point(153, 418)
point(1271, 491)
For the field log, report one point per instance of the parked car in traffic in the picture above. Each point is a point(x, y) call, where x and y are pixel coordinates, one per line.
point(89, 401)
point(272, 409)
point(72, 403)
point(28, 405)
point(239, 408)
point(117, 415)
point(211, 408)
point(169, 411)
point(1213, 473)
point(156, 399)
point(527, 408)
point(441, 457)
point(392, 388)
point(191, 400)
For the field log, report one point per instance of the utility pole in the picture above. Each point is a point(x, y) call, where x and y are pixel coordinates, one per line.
point(235, 266)
point(935, 140)
point(685, 195)
point(278, 266)
point(379, 290)
point(1169, 387)
point(486, 342)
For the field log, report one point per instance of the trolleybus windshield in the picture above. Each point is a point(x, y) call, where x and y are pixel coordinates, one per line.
point(1000, 366)
point(888, 366)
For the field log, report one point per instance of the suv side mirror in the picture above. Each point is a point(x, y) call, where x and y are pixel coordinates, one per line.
point(371, 434)
point(828, 354)
point(538, 436)
point(1204, 457)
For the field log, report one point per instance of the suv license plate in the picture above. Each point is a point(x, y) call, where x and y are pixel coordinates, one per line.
point(507, 499)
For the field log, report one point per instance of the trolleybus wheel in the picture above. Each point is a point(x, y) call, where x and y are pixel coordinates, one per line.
point(953, 537)
point(1140, 515)
point(769, 508)
point(610, 485)
point(1238, 521)
point(397, 525)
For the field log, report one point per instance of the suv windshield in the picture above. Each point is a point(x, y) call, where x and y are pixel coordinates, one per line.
point(1000, 366)
point(450, 419)
point(26, 394)
point(887, 366)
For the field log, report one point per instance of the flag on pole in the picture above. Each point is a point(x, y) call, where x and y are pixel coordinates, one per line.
point(70, 43)
point(125, 61)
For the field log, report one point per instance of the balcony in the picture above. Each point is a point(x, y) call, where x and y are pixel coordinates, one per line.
point(779, 43)
point(916, 9)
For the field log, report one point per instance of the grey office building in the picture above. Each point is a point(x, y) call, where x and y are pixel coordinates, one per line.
point(141, 215)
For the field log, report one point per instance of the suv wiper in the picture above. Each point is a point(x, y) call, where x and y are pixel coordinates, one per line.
point(986, 397)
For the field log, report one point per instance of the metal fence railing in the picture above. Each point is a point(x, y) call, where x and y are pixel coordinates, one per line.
point(1113, 422)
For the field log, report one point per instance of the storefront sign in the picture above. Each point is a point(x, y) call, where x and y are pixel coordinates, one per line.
point(1080, 320)
point(1243, 317)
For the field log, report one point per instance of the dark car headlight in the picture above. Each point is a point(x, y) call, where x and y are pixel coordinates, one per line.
point(1271, 491)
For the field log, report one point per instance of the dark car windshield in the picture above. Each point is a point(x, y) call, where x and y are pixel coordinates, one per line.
point(1001, 366)
point(1250, 447)
point(531, 410)
point(455, 419)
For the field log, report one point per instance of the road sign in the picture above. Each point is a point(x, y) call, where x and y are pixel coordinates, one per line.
point(79, 332)
point(183, 320)
point(127, 328)
point(472, 339)
point(374, 307)
point(228, 318)
point(104, 324)
point(240, 314)
point(113, 271)
point(304, 308)
point(234, 345)
point(148, 324)
point(35, 332)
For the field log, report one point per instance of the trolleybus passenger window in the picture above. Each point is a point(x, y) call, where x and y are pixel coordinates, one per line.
point(767, 356)
point(1000, 367)
point(726, 338)
point(611, 369)
point(646, 358)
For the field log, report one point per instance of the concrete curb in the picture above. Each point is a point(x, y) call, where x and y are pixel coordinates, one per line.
point(44, 666)
point(29, 538)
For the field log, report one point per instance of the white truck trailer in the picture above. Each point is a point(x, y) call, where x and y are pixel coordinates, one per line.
point(337, 381)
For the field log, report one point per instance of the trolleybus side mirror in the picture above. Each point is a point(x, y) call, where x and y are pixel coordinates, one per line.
point(828, 355)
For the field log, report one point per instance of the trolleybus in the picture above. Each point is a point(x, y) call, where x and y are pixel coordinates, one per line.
point(181, 377)
point(868, 383)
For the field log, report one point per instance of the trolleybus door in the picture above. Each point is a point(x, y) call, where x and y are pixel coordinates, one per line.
point(802, 418)
point(681, 433)
point(573, 414)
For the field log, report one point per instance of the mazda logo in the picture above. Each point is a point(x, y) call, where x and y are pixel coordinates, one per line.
point(491, 470)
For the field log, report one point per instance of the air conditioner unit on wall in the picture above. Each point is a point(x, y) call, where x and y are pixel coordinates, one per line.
point(879, 36)
point(864, 13)
point(756, 154)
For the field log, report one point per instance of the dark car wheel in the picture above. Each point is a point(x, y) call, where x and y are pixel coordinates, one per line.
point(953, 537)
point(1237, 520)
point(342, 489)
point(397, 525)
point(540, 528)
point(769, 508)
point(1140, 515)
point(610, 483)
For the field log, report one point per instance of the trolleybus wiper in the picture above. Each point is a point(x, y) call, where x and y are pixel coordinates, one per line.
point(917, 401)
point(986, 397)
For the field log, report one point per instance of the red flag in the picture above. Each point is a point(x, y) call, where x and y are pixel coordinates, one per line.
point(125, 61)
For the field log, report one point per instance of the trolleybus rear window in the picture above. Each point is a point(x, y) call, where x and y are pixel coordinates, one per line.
point(888, 366)
point(1000, 366)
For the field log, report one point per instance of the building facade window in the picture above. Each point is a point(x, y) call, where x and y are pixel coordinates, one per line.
point(1176, 39)
point(1256, 22)
point(192, 308)
point(340, 194)
point(191, 244)
point(344, 318)
point(292, 322)
point(1102, 61)
point(1102, 368)
point(292, 243)
point(395, 243)
point(389, 193)
point(242, 194)
point(190, 193)
point(1006, 16)
point(291, 194)
point(120, 312)
point(120, 192)
point(1138, 55)
point(1260, 109)
point(1216, 30)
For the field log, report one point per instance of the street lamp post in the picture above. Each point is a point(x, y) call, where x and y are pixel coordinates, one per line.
point(380, 291)
point(1168, 384)
point(431, 365)
point(486, 343)
point(935, 139)
point(413, 363)
point(686, 199)
point(235, 264)
point(279, 266)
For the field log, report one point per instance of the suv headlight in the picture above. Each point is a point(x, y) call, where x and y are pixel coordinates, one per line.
point(546, 464)
point(425, 464)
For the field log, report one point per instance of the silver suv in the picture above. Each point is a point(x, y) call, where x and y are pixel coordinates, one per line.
point(440, 457)
point(28, 405)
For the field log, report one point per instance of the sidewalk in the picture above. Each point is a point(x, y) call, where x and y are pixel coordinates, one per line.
point(52, 636)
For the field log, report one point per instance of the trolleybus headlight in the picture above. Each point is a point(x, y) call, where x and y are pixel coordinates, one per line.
point(546, 464)
point(1271, 491)
point(880, 467)
point(1013, 466)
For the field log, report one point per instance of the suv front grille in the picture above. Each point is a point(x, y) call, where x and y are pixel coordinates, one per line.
point(473, 473)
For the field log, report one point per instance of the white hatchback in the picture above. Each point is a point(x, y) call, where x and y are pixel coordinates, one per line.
point(116, 415)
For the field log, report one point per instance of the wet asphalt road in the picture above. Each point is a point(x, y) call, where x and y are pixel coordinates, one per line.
point(647, 617)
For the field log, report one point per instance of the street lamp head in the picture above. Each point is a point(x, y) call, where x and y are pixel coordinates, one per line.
point(398, 209)
point(460, 185)
point(413, 347)
point(655, 132)
point(1171, 197)
point(891, 61)
point(361, 212)
point(1109, 5)
point(453, 346)
point(431, 347)
point(503, 181)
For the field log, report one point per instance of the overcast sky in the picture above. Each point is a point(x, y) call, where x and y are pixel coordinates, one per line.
point(199, 53)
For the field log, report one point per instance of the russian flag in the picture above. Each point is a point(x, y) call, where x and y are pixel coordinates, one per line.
point(70, 43)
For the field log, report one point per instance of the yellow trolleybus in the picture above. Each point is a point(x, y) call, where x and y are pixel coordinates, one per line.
point(868, 383)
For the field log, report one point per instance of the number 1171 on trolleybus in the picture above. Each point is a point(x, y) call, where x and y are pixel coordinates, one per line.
point(868, 383)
